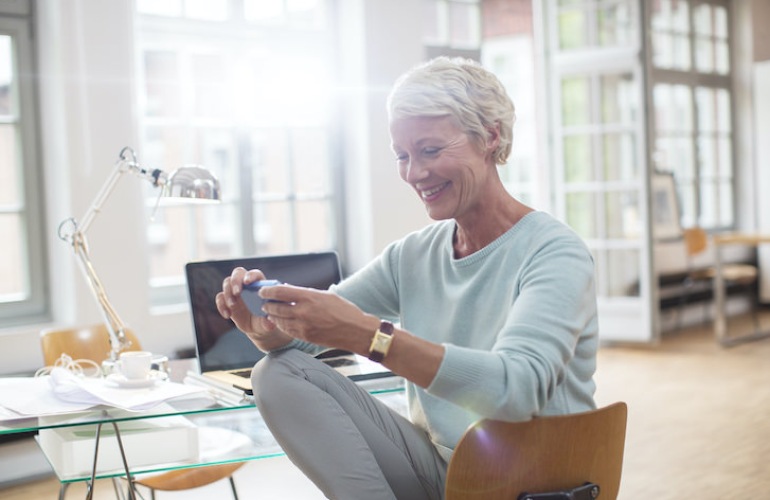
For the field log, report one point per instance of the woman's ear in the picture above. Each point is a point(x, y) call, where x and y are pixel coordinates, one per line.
point(493, 137)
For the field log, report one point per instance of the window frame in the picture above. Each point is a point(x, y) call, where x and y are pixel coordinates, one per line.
point(16, 20)
point(694, 79)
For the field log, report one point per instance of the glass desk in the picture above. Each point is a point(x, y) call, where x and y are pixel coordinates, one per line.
point(204, 412)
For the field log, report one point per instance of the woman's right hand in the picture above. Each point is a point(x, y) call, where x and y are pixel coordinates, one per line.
point(230, 305)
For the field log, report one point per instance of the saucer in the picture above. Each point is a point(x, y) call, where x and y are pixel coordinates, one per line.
point(122, 381)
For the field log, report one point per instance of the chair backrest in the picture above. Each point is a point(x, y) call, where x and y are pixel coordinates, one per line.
point(86, 342)
point(695, 240)
point(500, 460)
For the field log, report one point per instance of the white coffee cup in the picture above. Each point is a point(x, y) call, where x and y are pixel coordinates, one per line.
point(135, 365)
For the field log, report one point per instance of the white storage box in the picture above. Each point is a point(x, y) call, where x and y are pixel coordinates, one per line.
point(70, 450)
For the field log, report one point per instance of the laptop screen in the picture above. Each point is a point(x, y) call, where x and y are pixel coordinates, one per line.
point(219, 344)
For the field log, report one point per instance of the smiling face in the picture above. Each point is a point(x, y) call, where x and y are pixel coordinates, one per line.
point(445, 166)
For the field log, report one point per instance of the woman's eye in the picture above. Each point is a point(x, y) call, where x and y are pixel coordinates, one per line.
point(430, 151)
point(402, 158)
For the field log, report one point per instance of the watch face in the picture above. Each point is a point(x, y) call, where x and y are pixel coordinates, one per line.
point(381, 342)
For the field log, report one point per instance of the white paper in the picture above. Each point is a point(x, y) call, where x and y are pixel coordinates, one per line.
point(65, 392)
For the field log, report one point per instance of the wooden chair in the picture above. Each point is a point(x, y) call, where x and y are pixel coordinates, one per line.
point(497, 460)
point(93, 343)
point(745, 276)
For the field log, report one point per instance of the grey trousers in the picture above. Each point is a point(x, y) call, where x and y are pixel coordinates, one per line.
point(350, 445)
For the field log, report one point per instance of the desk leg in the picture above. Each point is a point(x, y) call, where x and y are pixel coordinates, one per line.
point(720, 316)
point(92, 482)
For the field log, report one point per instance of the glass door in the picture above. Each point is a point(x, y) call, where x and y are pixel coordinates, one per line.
point(598, 143)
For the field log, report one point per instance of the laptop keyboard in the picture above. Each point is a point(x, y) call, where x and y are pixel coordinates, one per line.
point(334, 363)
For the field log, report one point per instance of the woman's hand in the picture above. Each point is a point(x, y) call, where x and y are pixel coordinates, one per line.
point(320, 317)
point(230, 305)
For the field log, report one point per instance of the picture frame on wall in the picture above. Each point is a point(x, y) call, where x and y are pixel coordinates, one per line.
point(666, 216)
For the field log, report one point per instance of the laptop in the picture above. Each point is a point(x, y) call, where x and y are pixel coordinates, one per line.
point(226, 356)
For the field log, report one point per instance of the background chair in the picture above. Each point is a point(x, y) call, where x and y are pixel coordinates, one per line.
point(742, 276)
point(92, 343)
point(501, 460)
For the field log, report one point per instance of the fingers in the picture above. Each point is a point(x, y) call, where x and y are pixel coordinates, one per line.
point(229, 298)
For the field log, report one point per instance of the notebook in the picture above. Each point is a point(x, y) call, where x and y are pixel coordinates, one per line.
point(224, 353)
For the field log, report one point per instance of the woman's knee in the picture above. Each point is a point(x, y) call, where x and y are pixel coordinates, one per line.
point(271, 373)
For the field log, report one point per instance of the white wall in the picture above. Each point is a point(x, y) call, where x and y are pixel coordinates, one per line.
point(86, 53)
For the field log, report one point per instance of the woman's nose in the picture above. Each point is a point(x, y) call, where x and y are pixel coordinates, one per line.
point(413, 171)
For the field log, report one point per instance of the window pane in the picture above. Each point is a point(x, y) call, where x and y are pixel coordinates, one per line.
point(702, 20)
point(209, 79)
point(704, 54)
point(671, 51)
point(675, 154)
point(271, 161)
point(619, 103)
point(433, 22)
point(620, 157)
point(673, 108)
point(622, 273)
point(263, 11)
point(464, 24)
point(207, 10)
point(160, 7)
point(161, 84)
point(580, 213)
point(10, 181)
point(707, 114)
point(313, 230)
point(572, 29)
point(578, 162)
point(670, 15)
point(709, 197)
point(722, 57)
point(622, 215)
point(13, 265)
point(686, 192)
point(576, 100)
point(163, 146)
point(725, 155)
point(311, 161)
point(726, 201)
point(6, 76)
point(707, 149)
point(615, 25)
point(273, 228)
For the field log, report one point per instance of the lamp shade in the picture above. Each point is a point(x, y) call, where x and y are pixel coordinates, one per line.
point(193, 182)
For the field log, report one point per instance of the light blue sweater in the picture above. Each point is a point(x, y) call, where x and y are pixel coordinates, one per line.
point(518, 321)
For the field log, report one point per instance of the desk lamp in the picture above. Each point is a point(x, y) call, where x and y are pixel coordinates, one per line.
point(191, 183)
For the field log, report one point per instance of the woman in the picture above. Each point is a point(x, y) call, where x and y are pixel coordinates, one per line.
point(495, 306)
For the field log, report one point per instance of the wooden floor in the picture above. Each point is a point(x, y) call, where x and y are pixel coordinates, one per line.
point(698, 428)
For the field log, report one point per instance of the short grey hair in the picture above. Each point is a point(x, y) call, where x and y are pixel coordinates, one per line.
point(460, 88)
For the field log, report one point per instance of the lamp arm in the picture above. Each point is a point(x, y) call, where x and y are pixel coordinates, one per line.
point(123, 165)
point(115, 326)
point(76, 236)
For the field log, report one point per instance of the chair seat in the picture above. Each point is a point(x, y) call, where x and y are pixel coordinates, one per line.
point(737, 273)
point(183, 479)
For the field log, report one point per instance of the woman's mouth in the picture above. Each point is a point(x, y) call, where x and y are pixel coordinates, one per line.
point(432, 193)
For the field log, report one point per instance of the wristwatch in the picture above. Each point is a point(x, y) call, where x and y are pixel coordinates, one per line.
point(381, 341)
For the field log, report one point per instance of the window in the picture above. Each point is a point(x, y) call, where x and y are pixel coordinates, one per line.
point(692, 107)
point(243, 88)
point(452, 28)
point(23, 296)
